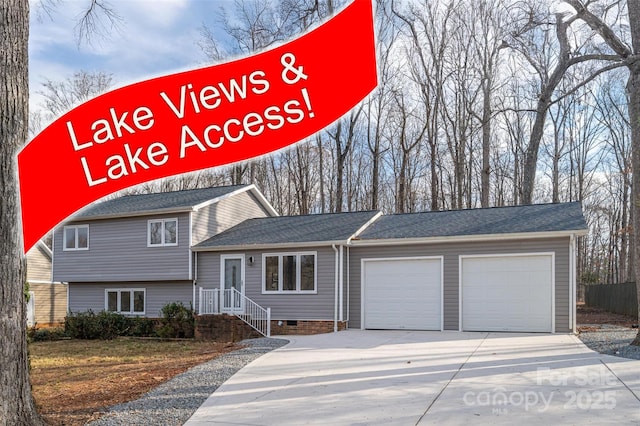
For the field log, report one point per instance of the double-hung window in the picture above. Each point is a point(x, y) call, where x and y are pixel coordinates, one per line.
point(162, 232)
point(289, 272)
point(75, 237)
point(125, 300)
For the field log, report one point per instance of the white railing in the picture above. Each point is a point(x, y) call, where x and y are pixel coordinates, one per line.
point(232, 302)
point(253, 314)
point(209, 302)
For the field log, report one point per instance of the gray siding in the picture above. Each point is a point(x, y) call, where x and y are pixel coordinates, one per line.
point(318, 306)
point(118, 252)
point(225, 214)
point(451, 253)
point(85, 296)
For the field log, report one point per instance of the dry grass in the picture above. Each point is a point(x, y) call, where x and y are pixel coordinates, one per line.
point(74, 380)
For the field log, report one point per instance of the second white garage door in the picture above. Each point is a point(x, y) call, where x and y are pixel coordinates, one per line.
point(507, 293)
point(402, 293)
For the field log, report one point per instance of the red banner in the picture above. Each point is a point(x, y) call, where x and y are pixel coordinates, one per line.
point(197, 119)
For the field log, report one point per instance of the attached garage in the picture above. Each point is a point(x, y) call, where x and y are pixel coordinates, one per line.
point(402, 293)
point(507, 292)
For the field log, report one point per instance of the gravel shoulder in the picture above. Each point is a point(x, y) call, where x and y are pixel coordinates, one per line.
point(173, 402)
point(611, 340)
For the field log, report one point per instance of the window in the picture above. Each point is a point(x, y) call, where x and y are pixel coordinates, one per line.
point(162, 232)
point(125, 301)
point(76, 237)
point(289, 273)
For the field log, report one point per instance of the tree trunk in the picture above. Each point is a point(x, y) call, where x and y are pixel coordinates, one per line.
point(16, 402)
point(633, 90)
point(485, 176)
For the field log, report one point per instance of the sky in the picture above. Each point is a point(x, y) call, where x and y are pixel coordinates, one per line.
point(155, 37)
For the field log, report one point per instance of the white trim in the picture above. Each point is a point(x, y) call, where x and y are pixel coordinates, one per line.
point(44, 282)
point(64, 238)
point(190, 254)
point(365, 226)
point(278, 246)
point(383, 259)
point(119, 291)
point(551, 254)
point(124, 215)
point(246, 188)
point(341, 285)
point(297, 255)
point(47, 250)
point(224, 257)
point(335, 288)
point(572, 284)
point(466, 238)
point(173, 210)
point(399, 241)
point(348, 281)
point(163, 221)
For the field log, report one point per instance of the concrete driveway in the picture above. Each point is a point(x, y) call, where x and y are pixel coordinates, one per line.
point(409, 377)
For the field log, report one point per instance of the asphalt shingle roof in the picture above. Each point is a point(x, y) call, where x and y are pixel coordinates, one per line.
point(148, 203)
point(291, 229)
point(497, 220)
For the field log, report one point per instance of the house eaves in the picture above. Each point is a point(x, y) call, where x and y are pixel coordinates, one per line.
point(468, 238)
point(263, 201)
point(131, 214)
point(284, 246)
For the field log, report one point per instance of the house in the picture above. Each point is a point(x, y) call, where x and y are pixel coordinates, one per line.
point(495, 269)
point(133, 254)
point(47, 304)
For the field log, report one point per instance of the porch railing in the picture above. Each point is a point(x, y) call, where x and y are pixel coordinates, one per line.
point(209, 302)
point(231, 301)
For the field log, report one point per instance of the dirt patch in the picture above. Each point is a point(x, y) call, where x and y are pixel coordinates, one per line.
point(74, 381)
point(592, 319)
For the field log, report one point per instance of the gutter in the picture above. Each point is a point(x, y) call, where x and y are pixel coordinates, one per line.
point(466, 238)
point(335, 307)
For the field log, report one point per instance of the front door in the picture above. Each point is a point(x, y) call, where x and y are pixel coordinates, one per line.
point(232, 277)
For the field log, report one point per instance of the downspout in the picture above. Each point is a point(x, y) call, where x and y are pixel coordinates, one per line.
point(348, 286)
point(572, 282)
point(335, 307)
point(341, 283)
point(195, 277)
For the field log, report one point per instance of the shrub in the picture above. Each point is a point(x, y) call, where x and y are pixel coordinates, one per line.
point(141, 327)
point(89, 325)
point(35, 334)
point(177, 321)
point(81, 325)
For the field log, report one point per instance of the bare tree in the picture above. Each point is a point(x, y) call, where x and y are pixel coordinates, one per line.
point(16, 402)
point(628, 54)
point(61, 96)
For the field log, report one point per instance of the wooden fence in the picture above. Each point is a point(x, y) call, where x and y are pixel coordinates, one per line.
point(617, 298)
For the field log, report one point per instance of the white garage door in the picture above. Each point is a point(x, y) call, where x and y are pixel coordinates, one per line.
point(507, 293)
point(402, 294)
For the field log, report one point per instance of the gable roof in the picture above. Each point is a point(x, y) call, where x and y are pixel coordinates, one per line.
point(291, 231)
point(540, 218)
point(166, 202)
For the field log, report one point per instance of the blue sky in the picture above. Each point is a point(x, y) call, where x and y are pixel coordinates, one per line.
point(156, 37)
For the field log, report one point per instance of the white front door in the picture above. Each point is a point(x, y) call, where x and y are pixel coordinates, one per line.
point(232, 277)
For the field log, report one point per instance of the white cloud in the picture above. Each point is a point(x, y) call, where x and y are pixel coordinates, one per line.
point(157, 37)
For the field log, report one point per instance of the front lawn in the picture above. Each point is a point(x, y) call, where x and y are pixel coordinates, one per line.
point(74, 380)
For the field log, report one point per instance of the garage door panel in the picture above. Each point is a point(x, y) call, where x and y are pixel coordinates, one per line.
point(402, 294)
point(507, 293)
